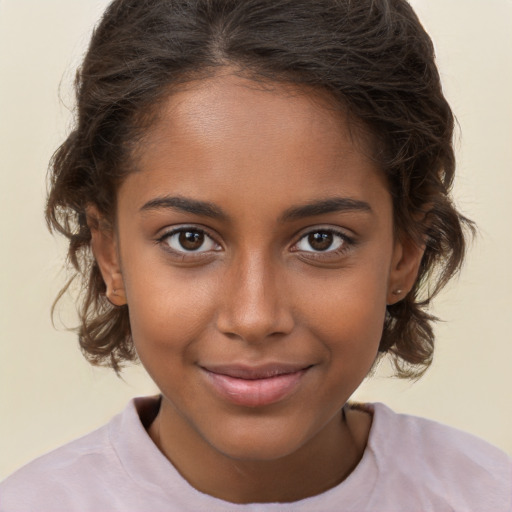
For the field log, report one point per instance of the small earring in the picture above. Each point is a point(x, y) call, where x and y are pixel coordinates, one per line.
point(397, 292)
point(116, 297)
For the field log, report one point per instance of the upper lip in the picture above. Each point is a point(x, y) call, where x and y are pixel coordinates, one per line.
point(265, 371)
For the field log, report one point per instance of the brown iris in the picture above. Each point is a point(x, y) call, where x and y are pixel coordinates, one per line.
point(191, 240)
point(321, 240)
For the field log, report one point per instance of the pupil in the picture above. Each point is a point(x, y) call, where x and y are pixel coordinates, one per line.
point(191, 240)
point(320, 241)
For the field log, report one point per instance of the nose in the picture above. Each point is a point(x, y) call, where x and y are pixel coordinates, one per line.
point(255, 303)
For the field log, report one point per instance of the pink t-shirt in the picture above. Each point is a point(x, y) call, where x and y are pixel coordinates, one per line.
point(410, 464)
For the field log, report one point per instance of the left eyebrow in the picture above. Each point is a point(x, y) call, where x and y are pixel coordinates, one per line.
point(187, 205)
point(334, 204)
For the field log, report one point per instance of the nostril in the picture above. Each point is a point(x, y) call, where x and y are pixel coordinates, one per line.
point(254, 327)
point(254, 306)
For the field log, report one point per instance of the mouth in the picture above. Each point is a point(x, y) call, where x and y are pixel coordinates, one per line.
point(255, 386)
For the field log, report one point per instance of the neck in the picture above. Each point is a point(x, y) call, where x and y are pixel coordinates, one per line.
point(321, 463)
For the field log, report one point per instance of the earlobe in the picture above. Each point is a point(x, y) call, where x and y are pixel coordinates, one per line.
point(105, 251)
point(115, 290)
point(407, 256)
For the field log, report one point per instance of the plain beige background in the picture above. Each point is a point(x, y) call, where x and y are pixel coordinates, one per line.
point(49, 395)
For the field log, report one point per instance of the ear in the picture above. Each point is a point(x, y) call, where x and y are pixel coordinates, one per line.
point(405, 264)
point(105, 250)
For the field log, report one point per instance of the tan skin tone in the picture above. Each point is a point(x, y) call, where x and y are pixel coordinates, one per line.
point(259, 280)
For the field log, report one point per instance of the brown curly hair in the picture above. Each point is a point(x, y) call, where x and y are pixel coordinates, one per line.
point(372, 56)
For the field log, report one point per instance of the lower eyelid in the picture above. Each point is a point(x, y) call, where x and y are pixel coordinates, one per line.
point(345, 241)
point(162, 240)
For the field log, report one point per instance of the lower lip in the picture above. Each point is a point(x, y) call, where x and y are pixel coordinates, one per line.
point(257, 392)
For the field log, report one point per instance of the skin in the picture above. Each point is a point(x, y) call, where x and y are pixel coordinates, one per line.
point(258, 289)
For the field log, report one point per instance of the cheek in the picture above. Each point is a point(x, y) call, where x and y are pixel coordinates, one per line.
point(348, 312)
point(169, 310)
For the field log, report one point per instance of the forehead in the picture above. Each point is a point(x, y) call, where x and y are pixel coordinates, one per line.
point(231, 135)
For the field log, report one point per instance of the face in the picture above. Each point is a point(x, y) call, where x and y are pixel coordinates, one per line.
point(255, 249)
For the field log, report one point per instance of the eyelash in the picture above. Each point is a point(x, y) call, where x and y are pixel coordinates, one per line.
point(184, 253)
point(344, 245)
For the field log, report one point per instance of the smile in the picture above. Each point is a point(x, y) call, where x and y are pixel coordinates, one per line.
point(255, 387)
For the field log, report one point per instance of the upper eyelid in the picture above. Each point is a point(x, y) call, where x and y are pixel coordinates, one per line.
point(329, 229)
point(167, 232)
point(348, 242)
point(171, 231)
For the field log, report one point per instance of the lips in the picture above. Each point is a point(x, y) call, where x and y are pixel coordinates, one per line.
point(255, 386)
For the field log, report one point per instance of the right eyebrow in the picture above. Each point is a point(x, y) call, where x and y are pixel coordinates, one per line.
point(323, 206)
point(183, 204)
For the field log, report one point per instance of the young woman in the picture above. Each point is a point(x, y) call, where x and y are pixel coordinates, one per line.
point(256, 198)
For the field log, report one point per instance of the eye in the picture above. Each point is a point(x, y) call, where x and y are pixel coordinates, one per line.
point(322, 240)
point(189, 239)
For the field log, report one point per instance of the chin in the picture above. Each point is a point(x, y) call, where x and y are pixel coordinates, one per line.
point(257, 442)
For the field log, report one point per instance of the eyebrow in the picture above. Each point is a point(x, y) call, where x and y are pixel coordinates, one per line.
point(187, 205)
point(331, 205)
point(207, 209)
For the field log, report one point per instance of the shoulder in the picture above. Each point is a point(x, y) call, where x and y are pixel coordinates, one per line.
point(57, 476)
point(444, 462)
point(79, 474)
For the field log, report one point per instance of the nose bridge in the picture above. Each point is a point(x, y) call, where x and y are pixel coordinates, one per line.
point(255, 304)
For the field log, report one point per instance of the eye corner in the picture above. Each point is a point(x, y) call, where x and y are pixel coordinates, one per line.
point(173, 241)
point(328, 237)
point(340, 246)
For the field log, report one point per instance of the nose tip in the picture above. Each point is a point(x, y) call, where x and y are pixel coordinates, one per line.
point(252, 324)
point(255, 305)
